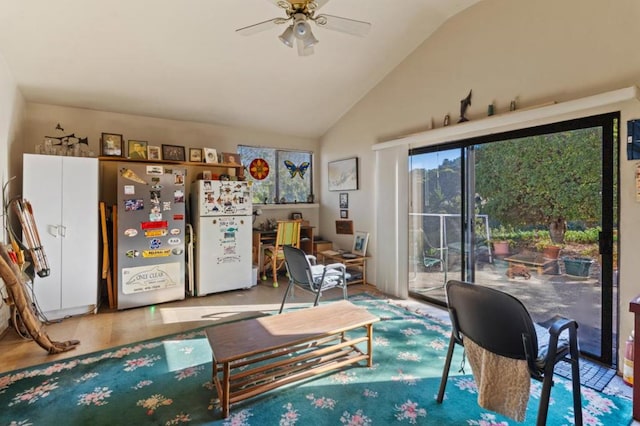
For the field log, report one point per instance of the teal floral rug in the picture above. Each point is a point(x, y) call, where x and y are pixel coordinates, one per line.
point(168, 382)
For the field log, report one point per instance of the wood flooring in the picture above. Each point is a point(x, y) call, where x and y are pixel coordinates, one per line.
point(111, 328)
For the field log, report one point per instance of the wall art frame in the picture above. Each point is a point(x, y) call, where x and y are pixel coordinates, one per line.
point(210, 155)
point(360, 241)
point(344, 200)
point(111, 145)
point(343, 174)
point(344, 227)
point(153, 153)
point(195, 155)
point(173, 153)
point(137, 150)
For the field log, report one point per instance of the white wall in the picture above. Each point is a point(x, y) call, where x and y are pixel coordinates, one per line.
point(532, 51)
point(12, 108)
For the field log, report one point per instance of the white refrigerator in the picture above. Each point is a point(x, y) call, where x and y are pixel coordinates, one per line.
point(221, 216)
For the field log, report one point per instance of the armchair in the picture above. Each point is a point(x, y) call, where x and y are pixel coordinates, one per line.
point(304, 272)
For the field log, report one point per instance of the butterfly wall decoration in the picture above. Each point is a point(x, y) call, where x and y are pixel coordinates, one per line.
point(294, 170)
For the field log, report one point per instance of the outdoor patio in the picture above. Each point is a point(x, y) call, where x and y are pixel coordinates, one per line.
point(546, 294)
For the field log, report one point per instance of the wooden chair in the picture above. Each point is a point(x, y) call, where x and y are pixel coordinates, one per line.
point(287, 234)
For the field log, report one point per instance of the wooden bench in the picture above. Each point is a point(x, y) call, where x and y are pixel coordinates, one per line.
point(253, 356)
point(536, 261)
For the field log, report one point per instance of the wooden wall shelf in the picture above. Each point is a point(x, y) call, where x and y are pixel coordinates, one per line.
point(183, 163)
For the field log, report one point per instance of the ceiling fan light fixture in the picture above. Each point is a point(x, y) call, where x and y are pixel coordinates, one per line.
point(300, 26)
point(310, 40)
point(287, 37)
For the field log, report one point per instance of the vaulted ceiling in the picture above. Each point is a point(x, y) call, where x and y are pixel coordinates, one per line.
point(182, 59)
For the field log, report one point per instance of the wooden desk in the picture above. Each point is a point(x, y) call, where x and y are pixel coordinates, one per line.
point(357, 264)
point(262, 238)
point(279, 349)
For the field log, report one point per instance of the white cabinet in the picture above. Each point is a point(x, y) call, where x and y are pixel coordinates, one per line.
point(64, 194)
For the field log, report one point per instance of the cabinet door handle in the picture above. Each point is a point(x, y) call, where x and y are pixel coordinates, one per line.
point(63, 231)
point(53, 230)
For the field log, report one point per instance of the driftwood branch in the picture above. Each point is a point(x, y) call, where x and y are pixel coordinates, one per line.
point(13, 280)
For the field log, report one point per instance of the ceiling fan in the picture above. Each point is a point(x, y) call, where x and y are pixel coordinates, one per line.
point(299, 14)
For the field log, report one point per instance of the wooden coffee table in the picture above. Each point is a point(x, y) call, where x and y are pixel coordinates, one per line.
point(253, 356)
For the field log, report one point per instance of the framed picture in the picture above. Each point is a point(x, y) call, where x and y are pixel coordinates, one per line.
point(137, 150)
point(344, 200)
point(343, 175)
point(344, 214)
point(111, 145)
point(195, 155)
point(344, 227)
point(210, 155)
point(173, 153)
point(153, 153)
point(360, 241)
point(296, 216)
point(230, 158)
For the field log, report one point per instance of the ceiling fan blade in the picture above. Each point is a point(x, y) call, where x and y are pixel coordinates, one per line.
point(261, 26)
point(345, 25)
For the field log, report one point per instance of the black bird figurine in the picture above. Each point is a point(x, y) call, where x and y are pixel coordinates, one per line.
point(59, 127)
point(464, 104)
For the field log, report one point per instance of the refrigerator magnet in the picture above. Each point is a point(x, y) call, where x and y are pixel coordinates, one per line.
point(132, 253)
point(130, 232)
point(175, 231)
point(129, 189)
point(155, 170)
point(150, 233)
point(133, 205)
point(178, 217)
point(166, 205)
point(154, 224)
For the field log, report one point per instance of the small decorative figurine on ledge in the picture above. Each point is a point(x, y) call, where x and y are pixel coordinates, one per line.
point(464, 104)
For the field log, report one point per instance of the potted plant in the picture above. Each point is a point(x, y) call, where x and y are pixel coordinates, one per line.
point(551, 251)
point(577, 266)
point(501, 247)
point(501, 241)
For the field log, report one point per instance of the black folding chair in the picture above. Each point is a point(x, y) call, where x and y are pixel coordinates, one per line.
point(316, 278)
point(499, 323)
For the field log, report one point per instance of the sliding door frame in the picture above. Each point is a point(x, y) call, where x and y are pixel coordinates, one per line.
point(609, 122)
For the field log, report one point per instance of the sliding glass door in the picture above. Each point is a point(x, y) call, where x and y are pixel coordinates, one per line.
point(532, 212)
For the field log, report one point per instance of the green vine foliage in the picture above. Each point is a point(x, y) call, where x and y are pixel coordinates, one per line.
point(541, 179)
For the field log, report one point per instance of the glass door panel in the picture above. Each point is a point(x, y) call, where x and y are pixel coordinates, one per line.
point(435, 236)
point(542, 195)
